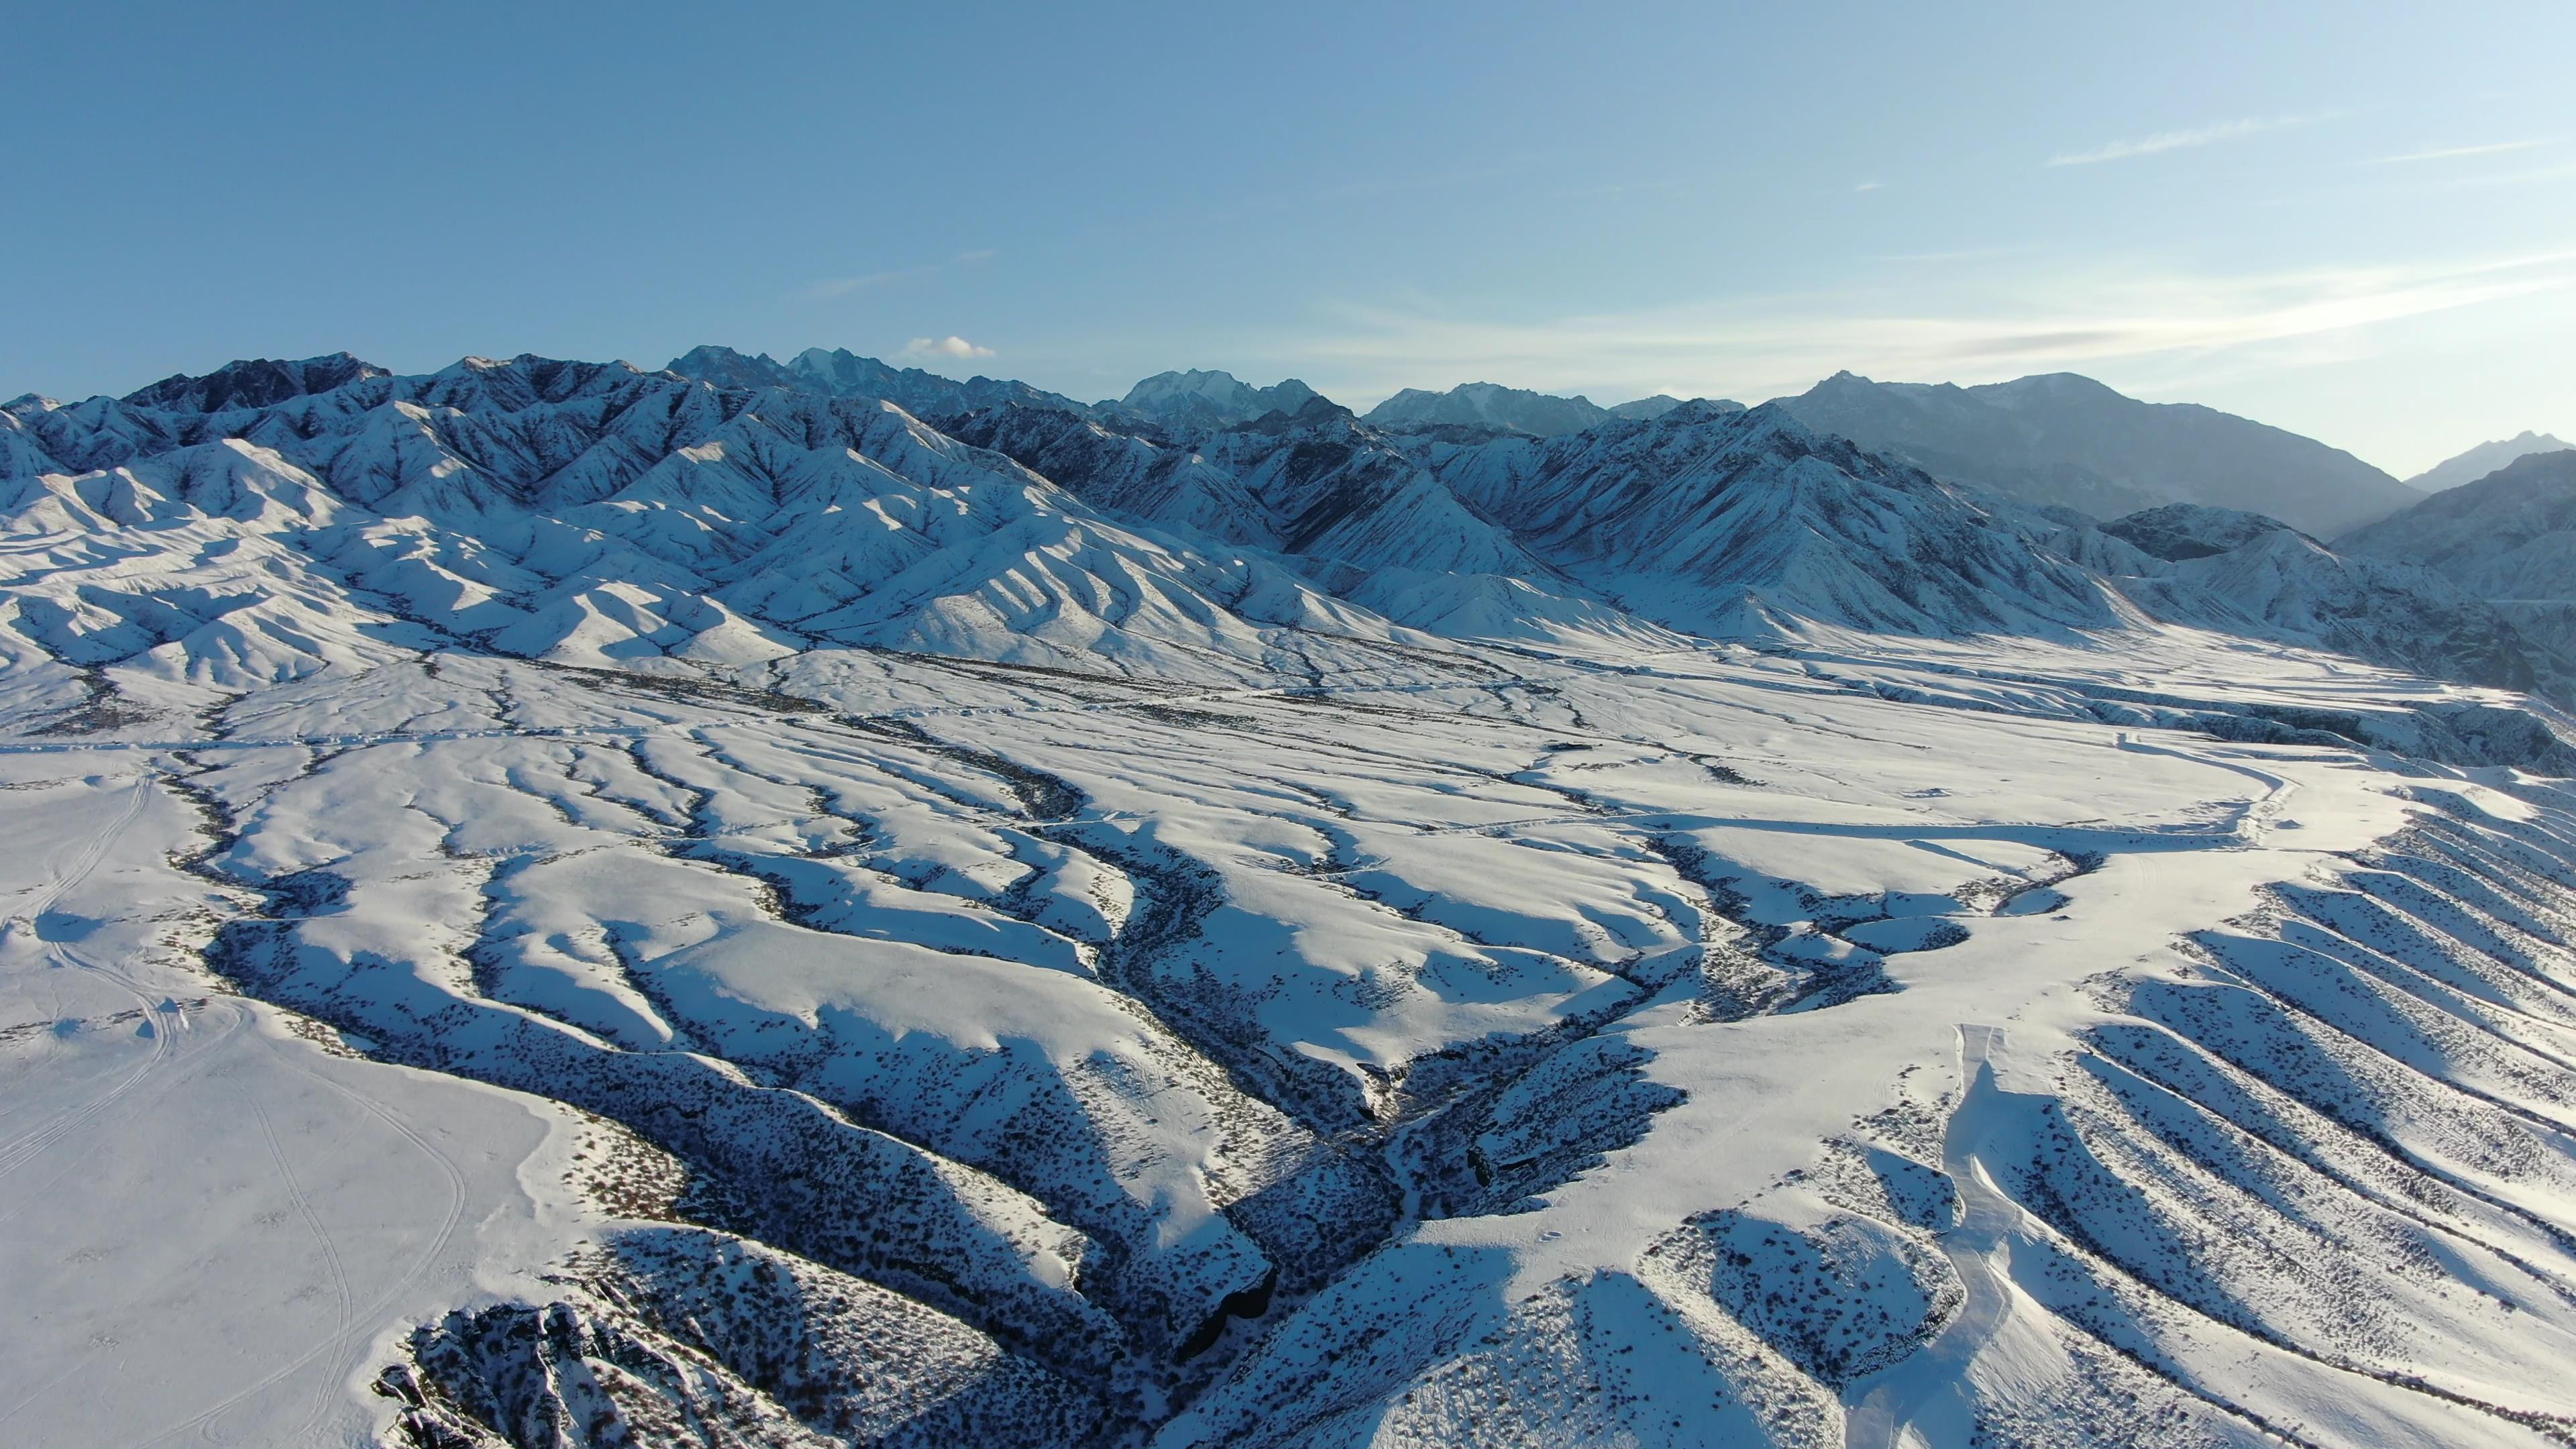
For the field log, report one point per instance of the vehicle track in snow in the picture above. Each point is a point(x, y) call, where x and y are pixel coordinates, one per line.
point(349, 1339)
point(338, 1271)
point(182, 1050)
point(25, 927)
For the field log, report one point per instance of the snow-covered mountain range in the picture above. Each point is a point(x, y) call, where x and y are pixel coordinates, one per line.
point(816, 904)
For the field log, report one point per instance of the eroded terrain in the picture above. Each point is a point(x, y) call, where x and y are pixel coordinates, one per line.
point(1697, 1046)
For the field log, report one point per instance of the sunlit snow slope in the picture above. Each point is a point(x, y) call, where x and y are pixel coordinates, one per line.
point(558, 905)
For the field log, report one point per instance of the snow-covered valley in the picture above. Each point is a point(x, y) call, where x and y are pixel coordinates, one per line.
point(557, 904)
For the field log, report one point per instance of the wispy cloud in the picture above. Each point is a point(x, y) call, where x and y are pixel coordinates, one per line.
point(844, 286)
point(2558, 172)
point(944, 349)
point(1999, 324)
point(1871, 186)
point(2452, 153)
point(2163, 141)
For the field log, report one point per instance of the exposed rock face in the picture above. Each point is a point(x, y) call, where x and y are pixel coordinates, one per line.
point(256, 383)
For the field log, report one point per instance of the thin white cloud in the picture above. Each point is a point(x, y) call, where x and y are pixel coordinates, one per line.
point(2558, 172)
point(2163, 141)
point(2451, 153)
point(1997, 325)
point(945, 349)
point(843, 286)
point(1871, 186)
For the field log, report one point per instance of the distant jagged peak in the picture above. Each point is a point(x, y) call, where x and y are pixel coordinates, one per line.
point(1494, 407)
point(1495, 391)
point(848, 371)
point(535, 362)
point(253, 382)
point(1713, 409)
point(1488, 405)
point(2484, 459)
point(1194, 382)
point(726, 367)
point(521, 381)
point(1211, 398)
point(838, 372)
point(840, 363)
point(1664, 402)
point(1845, 380)
point(1316, 413)
point(1710, 424)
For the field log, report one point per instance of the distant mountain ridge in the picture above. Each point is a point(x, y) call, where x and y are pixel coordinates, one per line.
point(595, 512)
point(253, 383)
point(1188, 399)
point(2483, 459)
point(842, 373)
point(1496, 408)
point(1196, 399)
point(2067, 440)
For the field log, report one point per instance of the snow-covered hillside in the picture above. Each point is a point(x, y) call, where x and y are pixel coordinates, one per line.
point(2509, 537)
point(563, 905)
point(2246, 574)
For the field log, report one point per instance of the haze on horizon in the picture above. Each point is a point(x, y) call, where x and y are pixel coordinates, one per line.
point(2339, 220)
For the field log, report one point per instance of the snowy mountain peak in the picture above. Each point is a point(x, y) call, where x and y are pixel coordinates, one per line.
point(1316, 414)
point(255, 382)
point(1490, 406)
point(1211, 399)
point(840, 373)
point(1219, 387)
point(1708, 410)
point(1662, 403)
point(725, 367)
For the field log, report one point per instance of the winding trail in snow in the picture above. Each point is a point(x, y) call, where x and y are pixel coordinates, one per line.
point(1898, 1394)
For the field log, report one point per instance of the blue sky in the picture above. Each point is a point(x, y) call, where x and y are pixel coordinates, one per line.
point(2355, 221)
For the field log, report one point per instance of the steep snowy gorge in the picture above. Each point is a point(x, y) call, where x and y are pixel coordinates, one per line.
point(562, 905)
